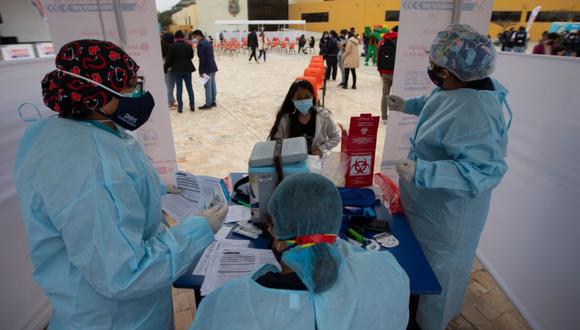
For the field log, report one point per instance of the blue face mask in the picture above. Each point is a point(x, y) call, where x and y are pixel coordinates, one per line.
point(303, 106)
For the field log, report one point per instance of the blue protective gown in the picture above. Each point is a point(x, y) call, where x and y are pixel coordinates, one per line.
point(459, 148)
point(371, 292)
point(91, 202)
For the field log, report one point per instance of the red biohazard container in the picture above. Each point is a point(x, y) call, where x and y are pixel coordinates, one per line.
point(360, 143)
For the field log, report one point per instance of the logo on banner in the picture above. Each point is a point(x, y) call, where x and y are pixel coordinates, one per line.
point(234, 7)
point(360, 165)
point(441, 5)
point(80, 6)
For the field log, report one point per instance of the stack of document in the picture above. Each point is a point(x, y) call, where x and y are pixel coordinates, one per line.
point(230, 263)
point(198, 193)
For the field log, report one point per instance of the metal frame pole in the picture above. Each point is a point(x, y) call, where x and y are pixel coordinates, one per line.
point(119, 20)
point(101, 20)
point(457, 6)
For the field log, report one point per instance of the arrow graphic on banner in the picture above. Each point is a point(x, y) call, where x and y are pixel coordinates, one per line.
point(92, 7)
point(436, 5)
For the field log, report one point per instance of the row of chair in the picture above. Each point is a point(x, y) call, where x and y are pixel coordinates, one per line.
point(314, 74)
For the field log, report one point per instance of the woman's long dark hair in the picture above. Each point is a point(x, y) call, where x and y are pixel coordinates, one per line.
point(288, 106)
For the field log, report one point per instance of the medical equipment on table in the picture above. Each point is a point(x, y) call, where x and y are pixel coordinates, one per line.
point(247, 229)
point(270, 162)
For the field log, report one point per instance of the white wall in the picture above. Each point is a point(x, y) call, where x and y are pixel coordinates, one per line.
point(208, 11)
point(531, 243)
point(23, 21)
point(22, 303)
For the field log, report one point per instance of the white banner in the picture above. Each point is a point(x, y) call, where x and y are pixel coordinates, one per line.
point(17, 52)
point(532, 18)
point(418, 24)
point(79, 19)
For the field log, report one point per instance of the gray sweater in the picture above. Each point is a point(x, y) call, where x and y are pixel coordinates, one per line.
point(326, 136)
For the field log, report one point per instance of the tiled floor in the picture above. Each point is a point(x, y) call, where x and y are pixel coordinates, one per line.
point(219, 141)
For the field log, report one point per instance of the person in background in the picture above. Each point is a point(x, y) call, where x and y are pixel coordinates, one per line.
point(386, 65)
point(222, 38)
point(312, 44)
point(178, 61)
point(262, 45)
point(167, 40)
point(207, 66)
point(351, 60)
point(508, 36)
point(341, 46)
point(331, 53)
point(543, 47)
point(457, 157)
point(301, 43)
point(299, 116)
point(572, 43)
point(322, 43)
point(253, 44)
point(210, 39)
point(91, 198)
point(324, 282)
point(520, 40)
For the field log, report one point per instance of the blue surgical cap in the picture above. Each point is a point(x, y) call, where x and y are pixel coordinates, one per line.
point(308, 204)
point(464, 52)
point(305, 204)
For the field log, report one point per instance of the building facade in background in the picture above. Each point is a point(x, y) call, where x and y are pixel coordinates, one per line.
point(325, 15)
point(202, 14)
point(185, 19)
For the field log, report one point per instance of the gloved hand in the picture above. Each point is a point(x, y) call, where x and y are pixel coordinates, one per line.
point(406, 169)
point(395, 103)
point(171, 189)
point(215, 216)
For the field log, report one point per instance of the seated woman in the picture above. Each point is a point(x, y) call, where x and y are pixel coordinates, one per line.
point(325, 283)
point(299, 116)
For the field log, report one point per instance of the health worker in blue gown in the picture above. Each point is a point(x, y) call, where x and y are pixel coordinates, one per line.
point(91, 199)
point(457, 157)
point(324, 283)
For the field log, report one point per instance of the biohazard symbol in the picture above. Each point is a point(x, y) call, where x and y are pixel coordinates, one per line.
point(360, 166)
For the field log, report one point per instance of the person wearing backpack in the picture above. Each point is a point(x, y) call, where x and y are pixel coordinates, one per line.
point(520, 40)
point(386, 65)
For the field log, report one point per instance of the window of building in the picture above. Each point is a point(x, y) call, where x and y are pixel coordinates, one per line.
point(391, 16)
point(506, 16)
point(556, 16)
point(315, 17)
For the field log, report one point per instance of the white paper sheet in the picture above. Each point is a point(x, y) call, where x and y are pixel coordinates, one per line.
point(198, 193)
point(220, 242)
point(231, 263)
point(178, 207)
point(237, 213)
point(203, 79)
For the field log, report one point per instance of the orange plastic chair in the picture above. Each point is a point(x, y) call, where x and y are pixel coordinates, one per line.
point(318, 66)
point(312, 82)
point(318, 56)
point(316, 73)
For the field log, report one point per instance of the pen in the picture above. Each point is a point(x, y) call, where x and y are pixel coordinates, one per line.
point(358, 237)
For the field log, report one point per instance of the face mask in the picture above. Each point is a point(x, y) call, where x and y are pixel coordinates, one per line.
point(303, 106)
point(434, 78)
point(133, 110)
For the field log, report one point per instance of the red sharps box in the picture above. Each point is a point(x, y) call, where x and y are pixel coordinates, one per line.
point(359, 143)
